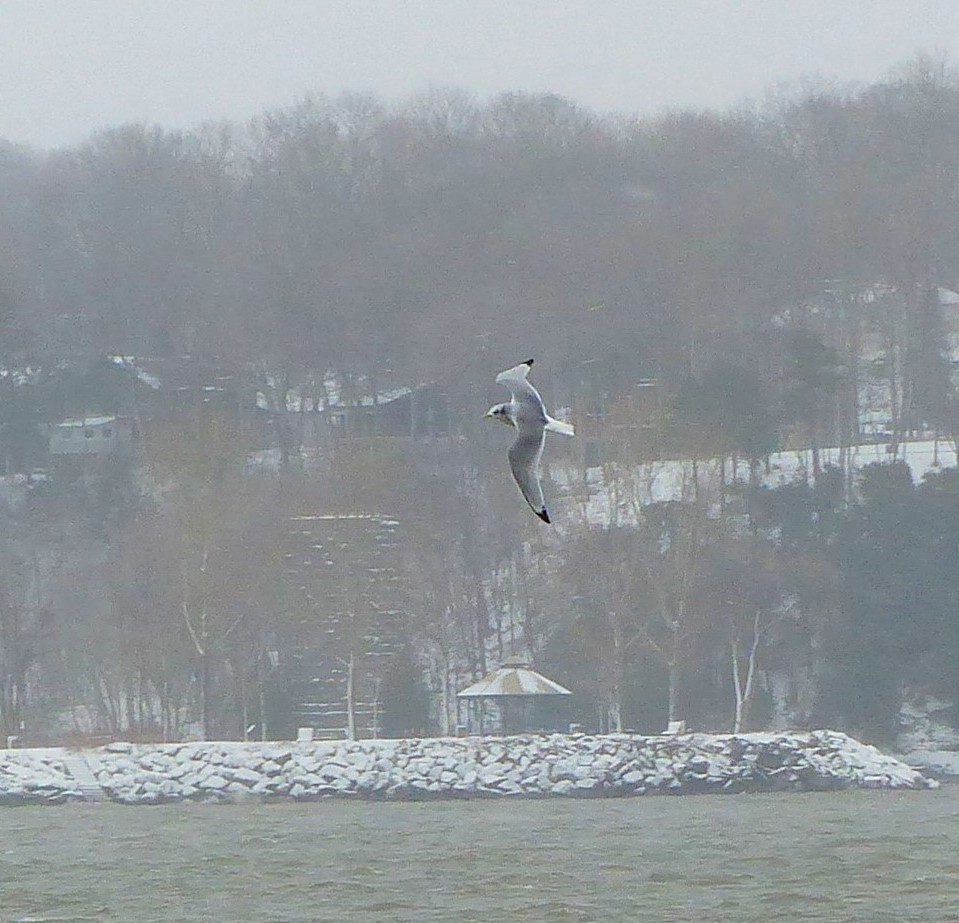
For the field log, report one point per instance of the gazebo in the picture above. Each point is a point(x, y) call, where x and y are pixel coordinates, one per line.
point(514, 688)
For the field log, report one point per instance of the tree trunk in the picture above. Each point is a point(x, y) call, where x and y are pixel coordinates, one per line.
point(206, 717)
point(615, 711)
point(445, 725)
point(673, 691)
point(816, 466)
point(350, 704)
point(737, 686)
point(261, 692)
point(744, 687)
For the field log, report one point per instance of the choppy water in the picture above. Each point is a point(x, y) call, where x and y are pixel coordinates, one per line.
point(835, 857)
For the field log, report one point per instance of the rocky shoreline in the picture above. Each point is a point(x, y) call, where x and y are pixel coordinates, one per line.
point(414, 769)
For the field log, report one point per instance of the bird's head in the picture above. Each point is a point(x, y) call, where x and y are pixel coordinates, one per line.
point(500, 412)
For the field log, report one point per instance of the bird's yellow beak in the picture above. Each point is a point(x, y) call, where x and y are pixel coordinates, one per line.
point(487, 416)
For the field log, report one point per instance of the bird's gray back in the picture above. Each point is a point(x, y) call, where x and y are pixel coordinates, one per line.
point(529, 414)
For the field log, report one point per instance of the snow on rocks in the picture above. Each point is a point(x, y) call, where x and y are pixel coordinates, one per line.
point(36, 777)
point(526, 765)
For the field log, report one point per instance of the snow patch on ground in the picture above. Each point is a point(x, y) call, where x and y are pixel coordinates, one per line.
point(613, 494)
point(927, 739)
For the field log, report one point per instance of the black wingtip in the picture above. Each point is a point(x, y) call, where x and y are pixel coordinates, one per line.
point(543, 515)
point(528, 362)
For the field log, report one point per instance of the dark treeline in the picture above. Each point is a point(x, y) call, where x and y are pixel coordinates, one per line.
point(755, 271)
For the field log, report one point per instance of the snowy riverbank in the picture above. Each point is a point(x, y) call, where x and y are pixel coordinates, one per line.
point(556, 765)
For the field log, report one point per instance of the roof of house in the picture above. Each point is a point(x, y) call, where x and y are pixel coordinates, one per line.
point(330, 393)
point(87, 421)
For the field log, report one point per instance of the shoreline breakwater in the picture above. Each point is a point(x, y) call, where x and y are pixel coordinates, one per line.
point(555, 765)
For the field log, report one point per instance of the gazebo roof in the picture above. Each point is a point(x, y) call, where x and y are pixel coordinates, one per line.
point(513, 678)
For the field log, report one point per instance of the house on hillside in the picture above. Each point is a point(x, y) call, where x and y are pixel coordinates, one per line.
point(413, 412)
point(165, 385)
point(136, 393)
point(333, 407)
point(85, 449)
point(103, 436)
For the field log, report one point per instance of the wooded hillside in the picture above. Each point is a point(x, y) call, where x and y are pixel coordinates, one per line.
point(704, 286)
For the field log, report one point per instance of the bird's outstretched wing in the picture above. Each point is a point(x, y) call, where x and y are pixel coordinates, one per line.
point(524, 456)
point(515, 380)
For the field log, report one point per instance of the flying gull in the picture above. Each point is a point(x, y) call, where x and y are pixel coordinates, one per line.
point(525, 411)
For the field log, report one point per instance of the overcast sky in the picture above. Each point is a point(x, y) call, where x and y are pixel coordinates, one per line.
point(70, 67)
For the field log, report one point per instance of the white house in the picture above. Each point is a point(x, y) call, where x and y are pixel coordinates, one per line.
point(101, 436)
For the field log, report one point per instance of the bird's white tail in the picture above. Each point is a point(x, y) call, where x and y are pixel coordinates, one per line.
point(558, 426)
